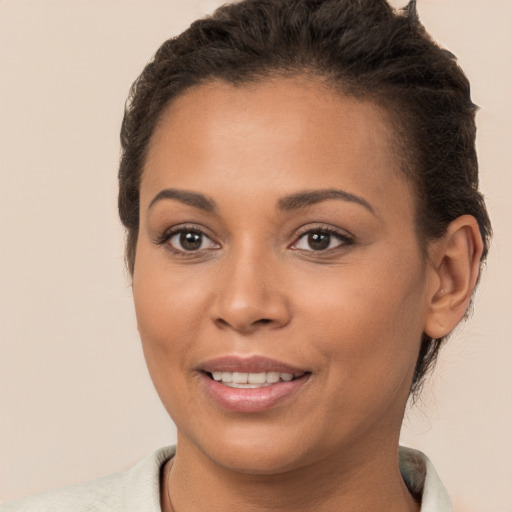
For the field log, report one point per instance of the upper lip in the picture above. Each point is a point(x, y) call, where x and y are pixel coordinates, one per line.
point(253, 364)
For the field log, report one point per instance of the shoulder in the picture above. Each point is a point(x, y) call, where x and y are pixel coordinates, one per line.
point(133, 490)
point(97, 495)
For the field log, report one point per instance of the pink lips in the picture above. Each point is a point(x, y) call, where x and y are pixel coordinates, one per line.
point(251, 400)
point(252, 364)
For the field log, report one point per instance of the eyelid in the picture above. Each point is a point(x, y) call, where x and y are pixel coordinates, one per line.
point(169, 233)
point(346, 238)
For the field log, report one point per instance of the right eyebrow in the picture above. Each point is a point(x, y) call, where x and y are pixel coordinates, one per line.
point(194, 199)
point(311, 197)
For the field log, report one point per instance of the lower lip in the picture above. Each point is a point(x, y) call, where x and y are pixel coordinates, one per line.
point(253, 400)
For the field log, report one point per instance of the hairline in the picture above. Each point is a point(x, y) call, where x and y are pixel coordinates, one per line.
point(398, 141)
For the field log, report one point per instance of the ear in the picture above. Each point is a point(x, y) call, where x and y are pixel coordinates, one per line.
point(455, 265)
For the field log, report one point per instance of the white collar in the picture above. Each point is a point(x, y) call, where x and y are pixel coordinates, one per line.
point(421, 479)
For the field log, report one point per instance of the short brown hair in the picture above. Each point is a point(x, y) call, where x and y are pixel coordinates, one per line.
point(364, 48)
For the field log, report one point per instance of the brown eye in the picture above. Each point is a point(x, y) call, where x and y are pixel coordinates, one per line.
point(321, 240)
point(189, 240)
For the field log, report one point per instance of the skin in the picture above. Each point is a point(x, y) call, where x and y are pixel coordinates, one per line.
point(352, 315)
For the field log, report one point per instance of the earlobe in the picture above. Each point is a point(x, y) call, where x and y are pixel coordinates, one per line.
point(455, 263)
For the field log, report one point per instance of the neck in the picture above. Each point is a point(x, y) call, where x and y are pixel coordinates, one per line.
point(368, 482)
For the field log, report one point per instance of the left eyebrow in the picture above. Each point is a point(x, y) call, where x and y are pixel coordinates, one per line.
point(194, 199)
point(311, 197)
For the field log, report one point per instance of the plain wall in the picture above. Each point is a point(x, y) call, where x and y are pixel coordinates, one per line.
point(76, 401)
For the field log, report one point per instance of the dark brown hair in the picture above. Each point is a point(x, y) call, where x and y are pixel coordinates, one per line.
point(363, 48)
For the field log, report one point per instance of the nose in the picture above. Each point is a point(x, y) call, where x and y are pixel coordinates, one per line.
point(251, 294)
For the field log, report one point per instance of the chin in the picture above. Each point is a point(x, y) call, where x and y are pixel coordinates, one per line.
point(259, 459)
point(258, 451)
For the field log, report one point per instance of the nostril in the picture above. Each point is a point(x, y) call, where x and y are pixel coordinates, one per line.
point(261, 321)
point(242, 325)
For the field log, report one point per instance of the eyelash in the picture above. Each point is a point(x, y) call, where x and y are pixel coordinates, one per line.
point(344, 239)
point(169, 234)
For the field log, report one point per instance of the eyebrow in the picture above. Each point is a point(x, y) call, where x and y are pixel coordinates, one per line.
point(291, 202)
point(311, 197)
point(185, 196)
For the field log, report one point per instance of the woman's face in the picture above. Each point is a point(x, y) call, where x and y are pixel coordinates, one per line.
point(277, 239)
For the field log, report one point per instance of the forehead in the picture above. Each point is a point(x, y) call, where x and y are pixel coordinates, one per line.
point(281, 133)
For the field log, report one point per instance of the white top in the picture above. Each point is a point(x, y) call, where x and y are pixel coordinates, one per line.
point(138, 490)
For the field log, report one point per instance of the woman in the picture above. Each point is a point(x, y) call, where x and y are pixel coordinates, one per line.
point(300, 191)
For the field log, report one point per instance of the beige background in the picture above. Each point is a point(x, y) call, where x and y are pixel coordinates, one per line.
point(75, 399)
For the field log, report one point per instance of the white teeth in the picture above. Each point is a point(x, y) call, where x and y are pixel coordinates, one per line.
point(272, 377)
point(252, 380)
point(245, 386)
point(257, 378)
point(240, 378)
point(227, 377)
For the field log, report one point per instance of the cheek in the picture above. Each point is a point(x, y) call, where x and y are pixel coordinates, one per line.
point(169, 316)
point(170, 308)
point(367, 321)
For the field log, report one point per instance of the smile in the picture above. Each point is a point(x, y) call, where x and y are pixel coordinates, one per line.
point(243, 380)
point(251, 385)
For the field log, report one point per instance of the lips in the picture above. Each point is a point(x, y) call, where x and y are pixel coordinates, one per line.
point(252, 384)
point(254, 364)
